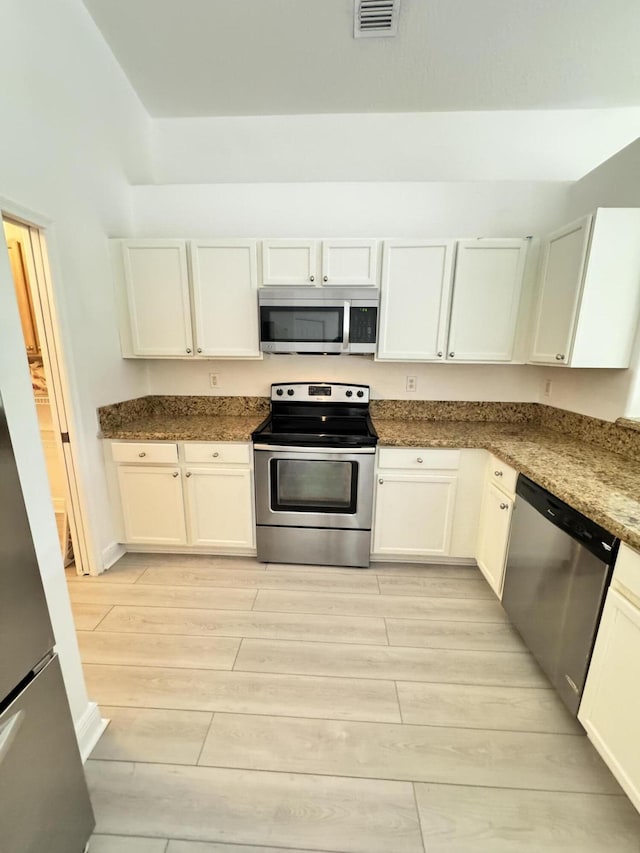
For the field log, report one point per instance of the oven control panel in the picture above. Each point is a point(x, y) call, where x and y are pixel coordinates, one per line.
point(319, 392)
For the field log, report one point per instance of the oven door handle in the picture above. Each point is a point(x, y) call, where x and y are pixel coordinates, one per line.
point(346, 322)
point(349, 451)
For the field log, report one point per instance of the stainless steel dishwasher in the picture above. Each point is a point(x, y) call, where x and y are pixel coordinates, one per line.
point(558, 570)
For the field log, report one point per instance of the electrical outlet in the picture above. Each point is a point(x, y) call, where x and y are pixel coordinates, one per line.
point(547, 388)
point(412, 382)
point(213, 380)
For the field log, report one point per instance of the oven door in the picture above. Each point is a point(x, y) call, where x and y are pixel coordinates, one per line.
point(307, 487)
point(311, 328)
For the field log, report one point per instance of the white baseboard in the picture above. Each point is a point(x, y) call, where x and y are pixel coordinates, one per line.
point(89, 729)
point(111, 554)
point(425, 561)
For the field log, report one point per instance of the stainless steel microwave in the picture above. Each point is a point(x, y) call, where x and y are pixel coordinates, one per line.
point(336, 320)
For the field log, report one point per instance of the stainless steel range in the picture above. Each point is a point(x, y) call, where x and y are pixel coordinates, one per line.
point(314, 472)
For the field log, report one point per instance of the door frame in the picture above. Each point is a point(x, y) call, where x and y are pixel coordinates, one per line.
point(40, 231)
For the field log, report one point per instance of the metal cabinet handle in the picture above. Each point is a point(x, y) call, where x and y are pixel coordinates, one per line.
point(498, 473)
point(176, 474)
point(502, 505)
point(189, 349)
point(312, 278)
point(419, 459)
point(451, 354)
point(560, 357)
point(325, 278)
point(381, 481)
point(215, 455)
point(199, 349)
point(188, 474)
point(440, 355)
point(141, 454)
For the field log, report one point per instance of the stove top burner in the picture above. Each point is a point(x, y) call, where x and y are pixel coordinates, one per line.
point(318, 415)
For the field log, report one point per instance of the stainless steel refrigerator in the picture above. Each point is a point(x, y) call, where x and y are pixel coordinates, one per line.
point(44, 801)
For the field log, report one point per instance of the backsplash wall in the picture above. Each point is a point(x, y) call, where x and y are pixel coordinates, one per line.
point(514, 383)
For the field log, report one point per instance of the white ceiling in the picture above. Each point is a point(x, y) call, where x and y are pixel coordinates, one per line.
point(277, 57)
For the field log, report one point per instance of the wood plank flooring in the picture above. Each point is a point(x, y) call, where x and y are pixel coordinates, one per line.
point(303, 708)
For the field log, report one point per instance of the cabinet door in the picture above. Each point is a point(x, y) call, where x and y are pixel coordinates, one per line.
point(564, 257)
point(220, 507)
point(349, 262)
point(289, 262)
point(152, 505)
point(157, 287)
point(225, 298)
point(414, 514)
point(486, 297)
point(416, 288)
point(493, 536)
point(609, 707)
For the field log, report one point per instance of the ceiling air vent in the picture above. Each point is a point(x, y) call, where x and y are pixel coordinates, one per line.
point(375, 18)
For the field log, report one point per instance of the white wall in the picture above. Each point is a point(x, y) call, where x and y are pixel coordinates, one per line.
point(402, 209)
point(73, 136)
point(508, 145)
point(387, 380)
point(607, 394)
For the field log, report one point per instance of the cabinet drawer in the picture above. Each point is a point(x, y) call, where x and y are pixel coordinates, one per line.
point(142, 452)
point(627, 570)
point(218, 452)
point(503, 475)
point(418, 459)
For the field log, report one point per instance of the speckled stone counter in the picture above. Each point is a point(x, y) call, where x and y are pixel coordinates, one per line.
point(183, 418)
point(605, 486)
point(591, 464)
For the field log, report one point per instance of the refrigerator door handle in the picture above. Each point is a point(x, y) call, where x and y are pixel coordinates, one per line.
point(9, 731)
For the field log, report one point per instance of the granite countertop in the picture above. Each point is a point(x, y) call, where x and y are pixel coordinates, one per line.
point(604, 486)
point(186, 428)
point(569, 454)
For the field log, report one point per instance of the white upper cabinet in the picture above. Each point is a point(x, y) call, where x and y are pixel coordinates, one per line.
point(349, 263)
point(225, 298)
point(415, 295)
point(345, 263)
point(156, 283)
point(589, 292)
point(289, 262)
point(486, 296)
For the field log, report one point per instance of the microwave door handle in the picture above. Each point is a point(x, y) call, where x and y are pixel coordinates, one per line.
point(345, 326)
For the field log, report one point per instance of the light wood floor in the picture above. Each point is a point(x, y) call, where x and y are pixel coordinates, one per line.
point(301, 708)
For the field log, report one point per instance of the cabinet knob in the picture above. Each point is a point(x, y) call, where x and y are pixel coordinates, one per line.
point(381, 481)
point(451, 354)
point(199, 349)
point(502, 505)
point(560, 357)
point(176, 474)
point(142, 454)
point(325, 278)
point(312, 278)
point(189, 350)
point(498, 473)
point(188, 474)
point(215, 455)
point(419, 459)
point(440, 354)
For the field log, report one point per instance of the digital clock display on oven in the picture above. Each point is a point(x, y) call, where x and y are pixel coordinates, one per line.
point(319, 391)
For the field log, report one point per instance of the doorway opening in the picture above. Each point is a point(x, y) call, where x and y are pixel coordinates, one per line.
point(32, 282)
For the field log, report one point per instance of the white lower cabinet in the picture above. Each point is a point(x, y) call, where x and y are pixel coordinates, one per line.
point(414, 502)
point(498, 499)
point(493, 535)
point(152, 505)
point(611, 699)
point(219, 507)
point(207, 507)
